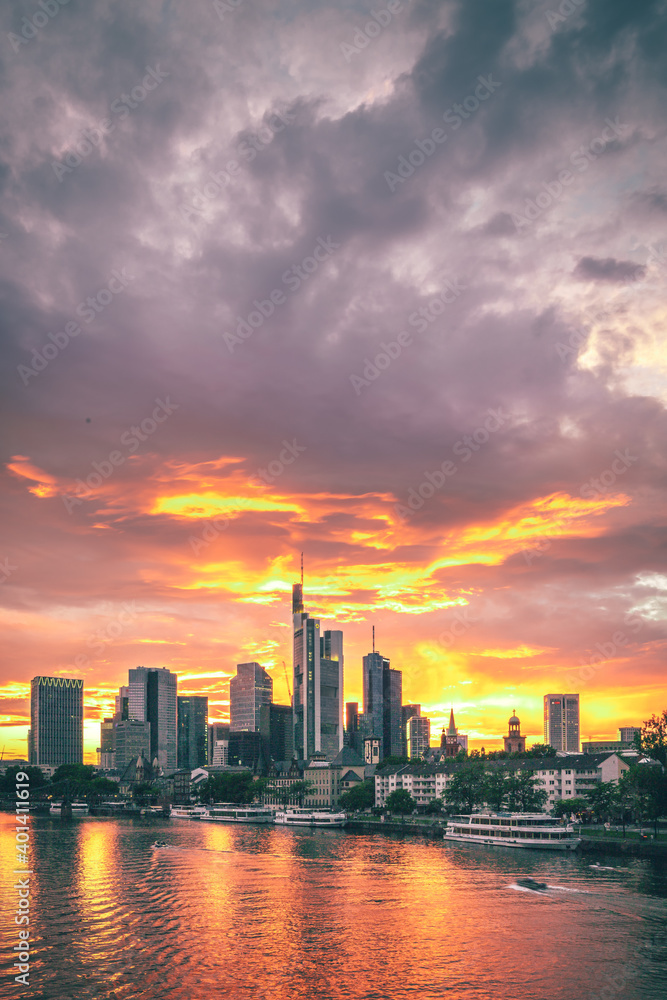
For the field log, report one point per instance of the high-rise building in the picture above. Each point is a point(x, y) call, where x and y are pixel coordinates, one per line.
point(351, 736)
point(107, 744)
point(192, 731)
point(277, 731)
point(251, 688)
point(317, 702)
point(407, 712)
point(245, 749)
point(56, 721)
point(217, 733)
point(561, 721)
point(152, 698)
point(383, 694)
point(418, 735)
point(122, 704)
point(133, 739)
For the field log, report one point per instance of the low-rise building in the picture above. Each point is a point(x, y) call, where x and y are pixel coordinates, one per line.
point(330, 779)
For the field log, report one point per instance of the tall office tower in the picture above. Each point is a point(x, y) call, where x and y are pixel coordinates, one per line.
point(383, 694)
point(133, 739)
point(152, 698)
point(317, 702)
point(245, 749)
point(251, 688)
point(192, 731)
point(107, 744)
point(56, 721)
point(277, 732)
point(561, 721)
point(331, 692)
point(122, 704)
point(407, 712)
point(217, 732)
point(418, 735)
point(351, 736)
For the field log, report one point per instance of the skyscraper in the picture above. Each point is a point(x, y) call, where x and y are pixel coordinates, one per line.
point(561, 721)
point(407, 712)
point(152, 698)
point(418, 735)
point(383, 694)
point(218, 732)
point(251, 688)
point(122, 704)
point(107, 744)
point(192, 731)
point(133, 739)
point(277, 730)
point(56, 721)
point(317, 702)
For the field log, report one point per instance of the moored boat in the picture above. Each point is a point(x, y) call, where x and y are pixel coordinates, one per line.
point(238, 814)
point(531, 830)
point(307, 817)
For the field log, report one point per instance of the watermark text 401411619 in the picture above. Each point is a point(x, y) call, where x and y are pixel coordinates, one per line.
point(21, 949)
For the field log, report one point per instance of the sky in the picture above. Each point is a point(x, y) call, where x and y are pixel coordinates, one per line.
point(382, 283)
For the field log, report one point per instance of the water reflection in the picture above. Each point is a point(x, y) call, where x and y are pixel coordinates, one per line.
point(253, 912)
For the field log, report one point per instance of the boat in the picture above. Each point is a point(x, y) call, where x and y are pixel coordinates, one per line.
point(160, 843)
point(182, 812)
point(531, 830)
point(530, 883)
point(225, 813)
point(78, 808)
point(306, 817)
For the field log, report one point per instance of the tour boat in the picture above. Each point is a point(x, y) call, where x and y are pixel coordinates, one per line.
point(182, 812)
point(512, 830)
point(304, 817)
point(78, 808)
point(238, 814)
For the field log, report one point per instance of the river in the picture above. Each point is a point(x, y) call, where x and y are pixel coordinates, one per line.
point(248, 912)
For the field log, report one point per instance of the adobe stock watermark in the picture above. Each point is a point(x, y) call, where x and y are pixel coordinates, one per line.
point(601, 484)
point(213, 528)
point(461, 622)
point(294, 277)
point(131, 439)
point(420, 319)
point(464, 448)
point(426, 147)
point(90, 138)
point(22, 886)
point(87, 309)
point(248, 148)
point(129, 612)
point(616, 643)
point(6, 569)
point(554, 190)
point(222, 7)
point(275, 468)
point(566, 9)
point(364, 36)
point(31, 26)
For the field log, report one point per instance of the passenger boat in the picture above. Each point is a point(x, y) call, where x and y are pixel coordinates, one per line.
point(182, 812)
point(238, 814)
point(78, 808)
point(533, 830)
point(305, 817)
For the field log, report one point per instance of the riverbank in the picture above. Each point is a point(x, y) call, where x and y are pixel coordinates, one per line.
point(436, 831)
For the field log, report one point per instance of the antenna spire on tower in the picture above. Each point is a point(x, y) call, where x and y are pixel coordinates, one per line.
point(302, 569)
point(374, 638)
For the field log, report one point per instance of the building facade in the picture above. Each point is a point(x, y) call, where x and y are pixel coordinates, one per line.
point(56, 721)
point(449, 740)
point(107, 749)
point(330, 779)
point(318, 673)
point(153, 699)
point(418, 735)
point(192, 731)
point(277, 731)
point(132, 739)
point(561, 721)
point(383, 696)
point(217, 732)
point(514, 742)
point(251, 688)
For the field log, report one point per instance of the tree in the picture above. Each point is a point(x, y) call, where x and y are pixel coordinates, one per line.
point(36, 779)
point(400, 801)
point(362, 796)
point(465, 790)
point(541, 750)
point(434, 807)
point(653, 738)
point(647, 785)
point(602, 798)
point(236, 787)
point(73, 772)
point(495, 788)
point(567, 807)
point(393, 761)
point(299, 790)
point(524, 793)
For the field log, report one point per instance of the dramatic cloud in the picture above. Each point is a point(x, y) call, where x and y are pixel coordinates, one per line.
point(274, 281)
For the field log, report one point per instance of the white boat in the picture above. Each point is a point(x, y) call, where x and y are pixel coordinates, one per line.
point(531, 830)
point(182, 812)
point(238, 814)
point(78, 808)
point(306, 817)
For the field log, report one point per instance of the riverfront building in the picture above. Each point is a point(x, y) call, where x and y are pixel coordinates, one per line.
point(56, 721)
point(561, 721)
point(251, 688)
point(192, 731)
point(152, 698)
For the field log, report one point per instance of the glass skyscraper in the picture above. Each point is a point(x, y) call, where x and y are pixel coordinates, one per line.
point(152, 698)
point(383, 695)
point(192, 731)
point(56, 721)
point(561, 721)
point(251, 688)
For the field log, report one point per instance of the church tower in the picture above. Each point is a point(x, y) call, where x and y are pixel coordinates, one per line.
point(449, 740)
point(514, 741)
